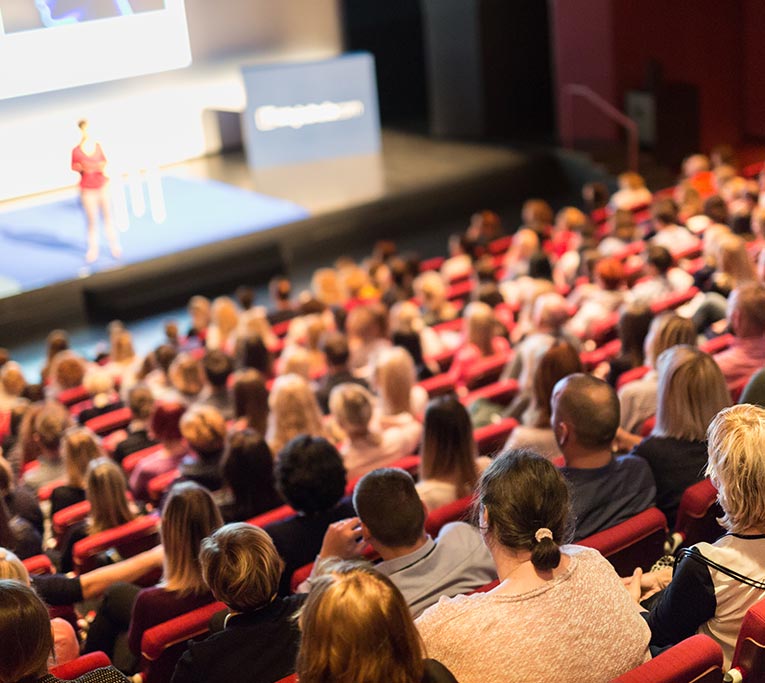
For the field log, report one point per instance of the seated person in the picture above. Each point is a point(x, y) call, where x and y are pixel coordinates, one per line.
point(391, 518)
point(335, 347)
point(19, 500)
point(259, 641)
point(41, 432)
point(217, 368)
point(661, 279)
point(79, 448)
point(605, 490)
point(18, 535)
point(100, 386)
point(712, 599)
point(204, 429)
point(311, 478)
point(141, 404)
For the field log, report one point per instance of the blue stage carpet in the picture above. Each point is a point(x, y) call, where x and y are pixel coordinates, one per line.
point(46, 244)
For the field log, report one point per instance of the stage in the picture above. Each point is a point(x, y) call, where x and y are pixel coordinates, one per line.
point(222, 224)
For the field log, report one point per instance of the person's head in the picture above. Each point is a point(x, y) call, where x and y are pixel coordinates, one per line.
point(630, 181)
point(405, 317)
point(68, 370)
point(122, 347)
point(204, 429)
point(393, 376)
point(99, 384)
point(199, 312)
point(664, 212)
point(585, 413)
point(140, 402)
point(431, 290)
point(164, 355)
point(245, 297)
point(734, 261)
point(294, 411)
point(25, 633)
point(252, 352)
point(351, 405)
point(695, 164)
point(280, 290)
point(12, 379)
point(389, 507)
point(559, 361)
point(550, 312)
point(364, 324)
point(479, 324)
point(190, 515)
point(186, 374)
point(664, 332)
point(716, 209)
point(224, 314)
point(536, 214)
point(595, 195)
point(335, 347)
point(56, 341)
point(166, 422)
point(609, 273)
point(241, 567)
point(691, 392)
point(251, 399)
point(357, 627)
point(570, 219)
point(248, 471)
point(523, 506)
point(48, 426)
point(634, 322)
point(659, 260)
point(735, 443)
point(12, 568)
point(296, 360)
point(78, 448)
point(540, 267)
point(217, 366)
point(106, 490)
point(310, 474)
point(746, 310)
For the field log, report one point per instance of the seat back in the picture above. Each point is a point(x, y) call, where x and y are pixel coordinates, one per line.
point(39, 564)
point(749, 655)
point(486, 370)
point(491, 438)
point(716, 344)
point(276, 515)
point(110, 422)
point(632, 375)
point(158, 485)
point(697, 659)
point(673, 301)
point(502, 392)
point(698, 513)
point(636, 542)
point(130, 461)
point(458, 511)
point(409, 463)
point(64, 519)
point(127, 539)
point(439, 385)
point(74, 395)
point(606, 352)
point(80, 666)
point(162, 645)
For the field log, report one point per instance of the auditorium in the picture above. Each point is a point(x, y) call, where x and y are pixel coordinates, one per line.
point(417, 341)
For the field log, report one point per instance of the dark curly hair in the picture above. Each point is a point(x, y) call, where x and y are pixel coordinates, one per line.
point(310, 474)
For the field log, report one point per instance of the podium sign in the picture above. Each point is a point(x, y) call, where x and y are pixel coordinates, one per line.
point(304, 112)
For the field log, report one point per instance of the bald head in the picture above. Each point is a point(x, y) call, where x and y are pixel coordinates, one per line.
point(588, 407)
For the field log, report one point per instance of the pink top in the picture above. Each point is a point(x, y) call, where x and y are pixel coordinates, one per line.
point(65, 645)
point(90, 167)
point(741, 359)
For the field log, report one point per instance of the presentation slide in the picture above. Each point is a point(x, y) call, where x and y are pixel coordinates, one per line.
point(55, 44)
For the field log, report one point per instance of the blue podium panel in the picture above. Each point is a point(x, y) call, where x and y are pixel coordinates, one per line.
point(311, 111)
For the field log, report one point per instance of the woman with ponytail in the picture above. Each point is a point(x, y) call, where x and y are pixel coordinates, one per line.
point(559, 613)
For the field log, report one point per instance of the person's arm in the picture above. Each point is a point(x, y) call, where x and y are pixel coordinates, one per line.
point(94, 583)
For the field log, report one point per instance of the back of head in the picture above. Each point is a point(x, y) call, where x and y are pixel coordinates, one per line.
point(12, 379)
point(50, 424)
point(660, 259)
point(186, 374)
point(204, 429)
point(280, 289)
point(735, 443)
point(294, 410)
point(559, 361)
point(480, 326)
point(691, 392)
point(248, 469)
point(387, 502)
point(335, 347)
point(79, 447)
point(12, 568)
point(667, 330)
point(610, 272)
point(25, 633)
point(524, 504)
point(189, 515)
point(217, 366)
point(68, 370)
point(394, 375)
point(122, 346)
point(664, 211)
point(141, 402)
point(251, 398)
point(550, 311)
point(165, 355)
point(166, 422)
point(634, 322)
point(357, 627)
point(310, 474)
point(106, 490)
point(589, 407)
point(241, 566)
point(351, 405)
point(748, 302)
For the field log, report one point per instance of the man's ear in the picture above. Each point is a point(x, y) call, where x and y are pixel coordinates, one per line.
point(562, 433)
point(365, 533)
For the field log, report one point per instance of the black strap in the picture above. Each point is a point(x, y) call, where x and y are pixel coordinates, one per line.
point(696, 555)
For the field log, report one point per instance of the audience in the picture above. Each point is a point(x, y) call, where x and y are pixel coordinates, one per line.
point(141, 404)
point(41, 435)
point(79, 448)
point(523, 508)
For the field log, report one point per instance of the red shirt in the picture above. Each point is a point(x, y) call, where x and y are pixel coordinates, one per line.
point(89, 167)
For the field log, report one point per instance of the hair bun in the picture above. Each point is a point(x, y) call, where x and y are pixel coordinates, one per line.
point(545, 555)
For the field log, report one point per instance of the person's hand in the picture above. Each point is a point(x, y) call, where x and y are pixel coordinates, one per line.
point(643, 585)
point(343, 539)
point(625, 441)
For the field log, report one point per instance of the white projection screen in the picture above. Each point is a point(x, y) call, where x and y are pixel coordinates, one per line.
point(55, 44)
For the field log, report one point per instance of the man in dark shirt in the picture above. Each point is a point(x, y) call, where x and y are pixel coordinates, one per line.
point(335, 347)
point(605, 490)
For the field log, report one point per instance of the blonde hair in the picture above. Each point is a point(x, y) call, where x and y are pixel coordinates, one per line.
point(12, 568)
point(297, 360)
point(12, 379)
point(326, 287)
point(99, 384)
point(204, 429)
point(665, 331)
point(189, 516)
point(733, 261)
point(225, 316)
point(186, 374)
point(106, 490)
point(79, 447)
point(431, 289)
point(294, 411)
point(357, 627)
point(405, 317)
point(241, 566)
point(631, 181)
point(735, 442)
point(394, 375)
point(351, 405)
point(122, 347)
point(479, 322)
point(691, 392)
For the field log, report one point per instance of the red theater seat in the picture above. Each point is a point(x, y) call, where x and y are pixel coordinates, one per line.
point(749, 656)
point(127, 540)
point(74, 395)
point(110, 422)
point(434, 263)
point(486, 370)
point(39, 564)
point(697, 516)
point(501, 392)
point(697, 659)
point(716, 344)
point(130, 461)
point(609, 351)
point(632, 375)
point(636, 542)
point(45, 491)
point(604, 330)
point(673, 301)
point(68, 517)
point(491, 438)
point(457, 511)
point(439, 385)
point(158, 485)
point(80, 666)
point(276, 515)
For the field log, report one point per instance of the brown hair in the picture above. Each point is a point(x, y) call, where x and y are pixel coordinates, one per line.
point(394, 375)
point(25, 633)
point(479, 322)
point(560, 360)
point(186, 374)
point(665, 331)
point(78, 448)
point(357, 627)
point(204, 429)
point(241, 566)
point(106, 491)
point(141, 402)
point(251, 399)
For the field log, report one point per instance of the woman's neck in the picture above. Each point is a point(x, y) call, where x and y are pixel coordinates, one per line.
point(517, 574)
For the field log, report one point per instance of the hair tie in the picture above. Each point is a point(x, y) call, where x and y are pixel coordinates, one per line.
point(542, 533)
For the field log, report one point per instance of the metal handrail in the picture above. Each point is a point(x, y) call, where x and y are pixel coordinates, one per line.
point(572, 90)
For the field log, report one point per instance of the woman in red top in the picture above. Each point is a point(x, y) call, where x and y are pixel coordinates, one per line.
point(89, 161)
